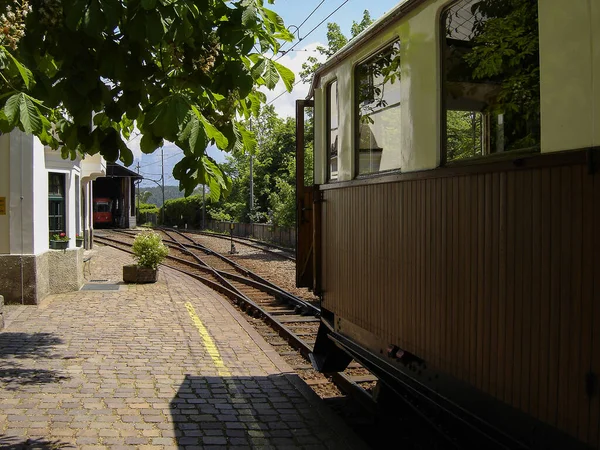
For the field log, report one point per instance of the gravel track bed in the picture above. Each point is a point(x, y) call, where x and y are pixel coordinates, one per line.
point(277, 270)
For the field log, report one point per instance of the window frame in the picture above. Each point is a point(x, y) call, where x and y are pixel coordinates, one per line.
point(328, 125)
point(443, 111)
point(356, 108)
point(61, 200)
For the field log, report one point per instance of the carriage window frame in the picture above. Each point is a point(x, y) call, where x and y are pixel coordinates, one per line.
point(328, 142)
point(486, 146)
point(356, 105)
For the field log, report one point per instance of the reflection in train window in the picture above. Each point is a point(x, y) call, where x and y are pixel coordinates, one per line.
point(491, 78)
point(332, 127)
point(378, 112)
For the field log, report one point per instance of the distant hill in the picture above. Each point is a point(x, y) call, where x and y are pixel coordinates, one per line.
point(156, 197)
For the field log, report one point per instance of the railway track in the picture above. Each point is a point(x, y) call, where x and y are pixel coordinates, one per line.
point(293, 318)
point(295, 322)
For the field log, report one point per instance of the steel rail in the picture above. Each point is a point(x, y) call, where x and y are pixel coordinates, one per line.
point(254, 243)
point(307, 307)
point(342, 380)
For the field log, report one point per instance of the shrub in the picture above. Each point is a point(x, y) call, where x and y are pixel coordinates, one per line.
point(149, 250)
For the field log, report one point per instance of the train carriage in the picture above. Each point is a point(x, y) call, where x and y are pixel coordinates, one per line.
point(452, 231)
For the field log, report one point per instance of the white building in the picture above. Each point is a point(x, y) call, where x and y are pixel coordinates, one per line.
point(42, 194)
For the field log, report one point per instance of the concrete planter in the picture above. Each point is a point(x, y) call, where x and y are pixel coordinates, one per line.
point(133, 273)
point(59, 245)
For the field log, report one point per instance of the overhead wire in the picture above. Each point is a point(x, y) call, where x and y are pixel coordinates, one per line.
point(158, 162)
point(314, 28)
point(303, 22)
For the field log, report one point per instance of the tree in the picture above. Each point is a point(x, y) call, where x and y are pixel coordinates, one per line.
point(144, 196)
point(335, 41)
point(274, 174)
point(82, 75)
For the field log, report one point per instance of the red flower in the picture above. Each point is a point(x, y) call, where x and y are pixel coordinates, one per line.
point(62, 234)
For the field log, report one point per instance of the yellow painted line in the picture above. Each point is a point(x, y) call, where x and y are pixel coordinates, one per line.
point(209, 344)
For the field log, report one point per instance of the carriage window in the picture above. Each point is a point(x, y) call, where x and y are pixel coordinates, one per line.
point(378, 115)
point(332, 127)
point(491, 78)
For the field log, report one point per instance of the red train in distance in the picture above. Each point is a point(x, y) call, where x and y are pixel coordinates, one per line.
point(103, 216)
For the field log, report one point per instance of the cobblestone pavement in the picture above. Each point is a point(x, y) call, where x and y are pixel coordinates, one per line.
point(167, 365)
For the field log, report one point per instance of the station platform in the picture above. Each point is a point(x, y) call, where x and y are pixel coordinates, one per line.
point(169, 365)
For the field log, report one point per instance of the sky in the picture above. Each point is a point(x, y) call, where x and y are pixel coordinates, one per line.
point(294, 13)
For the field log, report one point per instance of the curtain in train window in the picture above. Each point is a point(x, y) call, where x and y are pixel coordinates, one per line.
point(378, 112)
point(491, 77)
point(56, 203)
point(332, 134)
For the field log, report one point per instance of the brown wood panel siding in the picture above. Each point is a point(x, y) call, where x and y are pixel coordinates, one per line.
point(587, 291)
point(491, 277)
point(594, 420)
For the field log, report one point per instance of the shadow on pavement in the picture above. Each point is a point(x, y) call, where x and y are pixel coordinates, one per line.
point(20, 355)
point(12, 443)
point(259, 412)
point(27, 345)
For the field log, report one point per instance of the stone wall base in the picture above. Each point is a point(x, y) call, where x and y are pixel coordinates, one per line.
point(28, 279)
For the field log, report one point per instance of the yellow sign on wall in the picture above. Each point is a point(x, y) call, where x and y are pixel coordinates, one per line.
point(2, 206)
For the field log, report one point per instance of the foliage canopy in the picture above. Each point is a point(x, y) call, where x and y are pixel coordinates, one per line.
point(82, 75)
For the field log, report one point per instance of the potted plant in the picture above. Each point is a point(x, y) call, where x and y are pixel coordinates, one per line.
point(59, 241)
point(78, 240)
point(149, 251)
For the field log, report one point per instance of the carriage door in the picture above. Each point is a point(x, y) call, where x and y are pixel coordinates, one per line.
point(304, 205)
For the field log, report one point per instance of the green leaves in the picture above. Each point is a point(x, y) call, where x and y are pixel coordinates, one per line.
point(178, 71)
point(271, 76)
point(20, 107)
point(287, 76)
point(194, 136)
point(25, 73)
point(167, 117)
point(271, 71)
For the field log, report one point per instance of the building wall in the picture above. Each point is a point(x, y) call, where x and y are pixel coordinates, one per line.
point(28, 269)
point(5, 192)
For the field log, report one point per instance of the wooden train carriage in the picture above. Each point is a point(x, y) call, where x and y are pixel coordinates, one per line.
point(453, 229)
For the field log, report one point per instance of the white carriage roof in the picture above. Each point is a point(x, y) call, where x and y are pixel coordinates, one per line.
point(402, 8)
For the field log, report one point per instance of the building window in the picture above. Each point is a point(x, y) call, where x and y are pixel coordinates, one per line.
point(491, 90)
point(332, 127)
point(377, 96)
point(56, 203)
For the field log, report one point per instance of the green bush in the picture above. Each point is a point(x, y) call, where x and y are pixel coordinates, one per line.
point(145, 208)
point(180, 211)
point(149, 250)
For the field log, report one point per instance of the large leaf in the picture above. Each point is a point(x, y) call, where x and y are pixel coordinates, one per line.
point(195, 136)
point(25, 73)
point(271, 75)
point(287, 76)
point(148, 4)
point(211, 131)
point(258, 68)
point(149, 143)
point(168, 117)
point(11, 109)
point(250, 13)
point(20, 108)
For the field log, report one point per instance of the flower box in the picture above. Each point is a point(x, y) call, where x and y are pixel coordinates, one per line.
point(59, 245)
point(133, 273)
point(79, 242)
